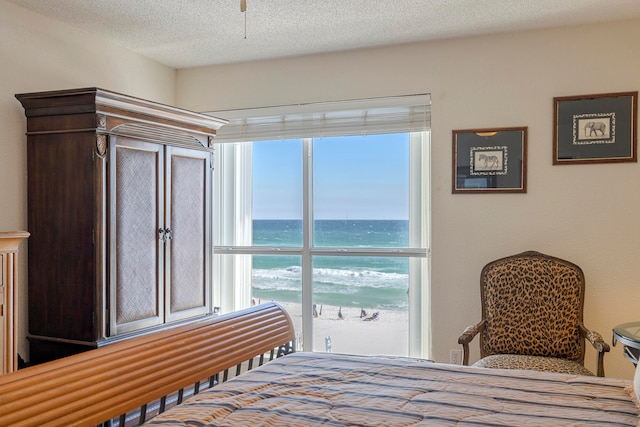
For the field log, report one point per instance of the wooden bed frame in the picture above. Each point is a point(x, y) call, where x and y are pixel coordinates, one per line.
point(143, 376)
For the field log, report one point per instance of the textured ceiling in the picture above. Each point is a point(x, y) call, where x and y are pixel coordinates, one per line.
point(188, 33)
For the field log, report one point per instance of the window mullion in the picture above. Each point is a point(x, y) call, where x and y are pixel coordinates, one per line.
point(417, 317)
point(257, 250)
point(307, 238)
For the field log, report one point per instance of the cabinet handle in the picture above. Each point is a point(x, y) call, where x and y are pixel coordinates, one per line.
point(164, 235)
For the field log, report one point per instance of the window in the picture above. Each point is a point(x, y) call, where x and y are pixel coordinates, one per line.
point(332, 227)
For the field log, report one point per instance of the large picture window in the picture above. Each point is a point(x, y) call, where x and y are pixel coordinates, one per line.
point(333, 228)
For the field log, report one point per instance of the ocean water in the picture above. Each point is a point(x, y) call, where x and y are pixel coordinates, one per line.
point(362, 282)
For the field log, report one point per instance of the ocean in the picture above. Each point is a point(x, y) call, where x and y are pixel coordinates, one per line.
point(372, 283)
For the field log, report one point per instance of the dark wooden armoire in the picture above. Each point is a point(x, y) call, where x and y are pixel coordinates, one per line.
point(119, 211)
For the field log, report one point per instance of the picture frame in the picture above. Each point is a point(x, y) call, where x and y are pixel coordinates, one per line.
point(597, 128)
point(490, 160)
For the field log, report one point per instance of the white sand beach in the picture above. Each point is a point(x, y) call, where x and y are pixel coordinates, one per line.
point(388, 334)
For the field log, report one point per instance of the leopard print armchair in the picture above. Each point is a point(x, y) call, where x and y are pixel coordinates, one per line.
point(532, 316)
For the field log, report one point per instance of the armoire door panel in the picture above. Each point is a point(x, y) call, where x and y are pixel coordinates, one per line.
point(137, 300)
point(188, 215)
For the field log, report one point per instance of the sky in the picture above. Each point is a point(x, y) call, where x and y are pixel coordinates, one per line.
point(363, 177)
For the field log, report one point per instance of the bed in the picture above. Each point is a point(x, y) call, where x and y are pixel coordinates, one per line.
point(308, 389)
point(304, 389)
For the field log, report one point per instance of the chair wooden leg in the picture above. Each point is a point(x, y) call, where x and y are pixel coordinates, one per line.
point(465, 354)
point(600, 363)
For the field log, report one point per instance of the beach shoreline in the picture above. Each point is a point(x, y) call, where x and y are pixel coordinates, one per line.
point(384, 334)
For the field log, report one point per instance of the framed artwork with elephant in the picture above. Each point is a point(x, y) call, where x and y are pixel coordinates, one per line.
point(595, 128)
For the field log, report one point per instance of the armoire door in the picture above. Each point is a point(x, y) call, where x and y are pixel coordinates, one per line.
point(136, 235)
point(188, 219)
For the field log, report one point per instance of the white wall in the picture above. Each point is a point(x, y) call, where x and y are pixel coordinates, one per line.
point(37, 54)
point(584, 213)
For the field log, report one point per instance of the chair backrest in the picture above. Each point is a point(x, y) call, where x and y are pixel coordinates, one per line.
point(532, 304)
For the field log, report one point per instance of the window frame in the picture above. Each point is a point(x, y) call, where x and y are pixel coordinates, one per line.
point(233, 164)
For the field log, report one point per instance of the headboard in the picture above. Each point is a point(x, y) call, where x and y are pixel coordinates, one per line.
point(106, 383)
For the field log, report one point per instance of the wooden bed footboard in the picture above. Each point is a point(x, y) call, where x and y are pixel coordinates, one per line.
point(129, 377)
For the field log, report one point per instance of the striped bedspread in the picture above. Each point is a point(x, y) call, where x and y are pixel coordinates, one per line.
point(309, 389)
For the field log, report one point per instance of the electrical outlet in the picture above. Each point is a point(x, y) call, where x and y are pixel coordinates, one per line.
point(455, 356)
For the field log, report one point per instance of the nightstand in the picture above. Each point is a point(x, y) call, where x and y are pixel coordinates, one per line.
point(629, 336)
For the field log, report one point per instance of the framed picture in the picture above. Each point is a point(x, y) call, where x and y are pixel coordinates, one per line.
point(490, 160)
point(595, 128)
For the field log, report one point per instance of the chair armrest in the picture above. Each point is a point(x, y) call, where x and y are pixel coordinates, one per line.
point(595, 339)
point(598, 343)
point(470, 332)
point(467, 335)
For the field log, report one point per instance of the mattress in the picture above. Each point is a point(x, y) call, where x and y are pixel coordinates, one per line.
point(310, 389)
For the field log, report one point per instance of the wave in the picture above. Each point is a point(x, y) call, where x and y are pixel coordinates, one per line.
point(349, 288)
point(350, 278)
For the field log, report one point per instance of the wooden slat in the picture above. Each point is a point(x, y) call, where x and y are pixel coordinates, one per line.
point(92, 387)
